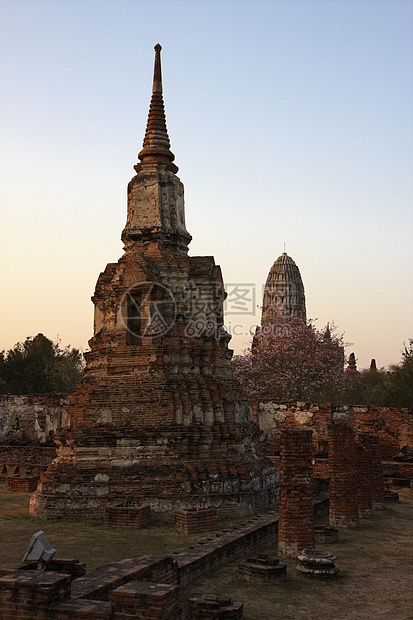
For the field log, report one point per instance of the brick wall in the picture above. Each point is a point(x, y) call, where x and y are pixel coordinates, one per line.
point(23, 485)
point(145, 601)
point(394, 427)
point(143, 587)
point(374, 457)
point(32, 418)
point(27, 594)
point(25, 460)
point(398, 469)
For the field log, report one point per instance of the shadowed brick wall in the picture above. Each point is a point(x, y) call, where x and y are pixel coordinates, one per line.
point(25, 460)
point(394, 427)
point(32, 418)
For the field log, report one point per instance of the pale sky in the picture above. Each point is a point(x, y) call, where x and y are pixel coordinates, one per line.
point(291, 122)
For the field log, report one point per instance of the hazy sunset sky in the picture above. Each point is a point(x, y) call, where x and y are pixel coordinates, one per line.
point(291, 122)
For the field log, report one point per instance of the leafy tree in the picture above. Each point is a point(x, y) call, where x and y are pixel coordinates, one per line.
point(367, 387)
point(292, 360)
point(382, 388)
point(401, 379)
point(39, 366)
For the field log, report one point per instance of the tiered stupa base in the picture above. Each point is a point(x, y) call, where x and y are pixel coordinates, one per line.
point(168, 468)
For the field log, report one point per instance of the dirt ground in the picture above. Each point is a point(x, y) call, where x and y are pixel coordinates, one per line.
point(375, 561)
point(375, 580)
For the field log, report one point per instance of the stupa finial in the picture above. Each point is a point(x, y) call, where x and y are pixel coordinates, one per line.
point(156, 145)
point(157, 72)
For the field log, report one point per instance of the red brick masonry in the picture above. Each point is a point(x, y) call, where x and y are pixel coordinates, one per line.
point(101, 595)
point(343, 477)
point(296, 526)
point(23, 485)
point(127, 516)
point(196, 520)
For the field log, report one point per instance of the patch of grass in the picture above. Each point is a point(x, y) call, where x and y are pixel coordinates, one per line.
point(375, 562)
point(87, 541)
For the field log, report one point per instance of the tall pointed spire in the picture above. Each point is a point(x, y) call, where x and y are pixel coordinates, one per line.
point(156, 145)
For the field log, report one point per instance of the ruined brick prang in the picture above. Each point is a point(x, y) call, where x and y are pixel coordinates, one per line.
point(284, 292)
point(158, 415)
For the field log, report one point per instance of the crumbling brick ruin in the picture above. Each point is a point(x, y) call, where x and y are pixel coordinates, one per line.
point(134, 587)
point(145, 586)
point(296, 521)
point(27, 427)
point(24, 460)
point(31, 419)
point(158, 420)
point(393, 427)
point(158, 414)
point(343, 477)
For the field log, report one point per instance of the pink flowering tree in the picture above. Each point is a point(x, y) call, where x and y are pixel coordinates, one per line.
point(292, 360)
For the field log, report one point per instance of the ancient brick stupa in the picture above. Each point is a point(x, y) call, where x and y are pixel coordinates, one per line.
point(157, 416)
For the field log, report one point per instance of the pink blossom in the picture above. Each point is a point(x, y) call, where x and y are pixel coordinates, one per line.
point(292, 360)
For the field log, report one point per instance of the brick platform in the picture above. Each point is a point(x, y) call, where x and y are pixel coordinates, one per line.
point(196, 520)
point(263, 569)
point(296, 520)
point(127, 516)
point(398, 483)
point(145, 601)
point(398, 469)
point(26, 594)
